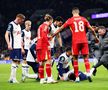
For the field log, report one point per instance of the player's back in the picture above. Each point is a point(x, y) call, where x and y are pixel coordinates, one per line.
point(42, 37)
point(78, 26)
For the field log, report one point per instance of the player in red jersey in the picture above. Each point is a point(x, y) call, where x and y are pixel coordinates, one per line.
point(43, 50)
point(78, 25)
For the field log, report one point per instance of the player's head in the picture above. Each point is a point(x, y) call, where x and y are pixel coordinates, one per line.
point(101, 30)
point(48, 18)
point(20, 18)
point(72, 76)
point(28, 25)
point(75, 11)
point(58, 21)
point(68, 51)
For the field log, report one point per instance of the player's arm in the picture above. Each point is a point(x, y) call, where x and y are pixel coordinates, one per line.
point(60, 41)
point(93, 32)
point(22, 42)
point(66, 24)
point(7, 34)
point(60, 67)
point(58, 31)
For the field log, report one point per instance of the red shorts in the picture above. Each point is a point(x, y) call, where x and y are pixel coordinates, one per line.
point(80, 47)
point(43, 54)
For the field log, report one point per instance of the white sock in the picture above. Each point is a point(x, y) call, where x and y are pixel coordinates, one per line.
point(13, 71)
point(25, 69)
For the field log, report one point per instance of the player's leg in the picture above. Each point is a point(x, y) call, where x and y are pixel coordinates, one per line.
point(75, 52)
point(35, 67)
point(103, 61)
point(16, 56)
point(75, 66)
point(85, 52)
point(49, 68)
point(41, 72)
point(25, 66)
point(14, 67)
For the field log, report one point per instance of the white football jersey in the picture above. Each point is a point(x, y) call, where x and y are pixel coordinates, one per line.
point(65, 61)
point(15, 35)
point(27, 38)
point(53, 30)
point(29, 57)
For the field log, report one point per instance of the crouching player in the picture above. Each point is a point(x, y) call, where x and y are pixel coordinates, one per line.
point(63, 63)
point(31, 61)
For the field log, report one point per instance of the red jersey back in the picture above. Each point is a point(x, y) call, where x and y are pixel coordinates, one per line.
point(42, 36)
point(78, 27)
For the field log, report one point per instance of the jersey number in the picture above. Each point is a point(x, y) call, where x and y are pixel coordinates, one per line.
point(79, 26)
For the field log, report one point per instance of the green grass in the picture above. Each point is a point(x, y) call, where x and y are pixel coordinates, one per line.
point(100, 81)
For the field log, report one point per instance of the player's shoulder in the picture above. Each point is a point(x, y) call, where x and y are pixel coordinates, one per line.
point(12, 22)
point(83, 18)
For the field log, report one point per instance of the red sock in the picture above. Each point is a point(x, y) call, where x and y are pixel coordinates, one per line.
point(75, 65)
point(87, 65)
point(41, 72)
point(48, 70)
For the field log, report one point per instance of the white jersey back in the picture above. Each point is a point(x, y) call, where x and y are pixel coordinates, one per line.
point(66, 61)
point(15, 35)
point(53, 30)
point(27, 38)
point(29, 57)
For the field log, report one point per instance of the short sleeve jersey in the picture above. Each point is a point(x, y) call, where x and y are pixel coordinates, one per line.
point(78, 27)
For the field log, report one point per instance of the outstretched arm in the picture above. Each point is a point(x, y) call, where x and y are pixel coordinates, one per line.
point(58, 31)
point(93, 32)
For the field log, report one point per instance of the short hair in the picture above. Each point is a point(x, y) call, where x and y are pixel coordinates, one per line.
point(101, 27)
point(27, 21)
point(72, 76)
point(75, 9)
point(59, 18)
point(68, 49)
point(20, 16)
point(48, 17)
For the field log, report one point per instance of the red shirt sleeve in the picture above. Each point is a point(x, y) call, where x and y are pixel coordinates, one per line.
point(87, 23)
point(67, 23)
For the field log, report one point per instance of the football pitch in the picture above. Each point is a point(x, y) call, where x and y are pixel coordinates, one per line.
point(100, 81)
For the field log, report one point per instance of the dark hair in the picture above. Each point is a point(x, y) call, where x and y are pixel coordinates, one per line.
point(48, 17)
point(101, 27)
point(20, 16)
point(75, 8)
point(72, 76)
point(68, 49)
point(59, 18)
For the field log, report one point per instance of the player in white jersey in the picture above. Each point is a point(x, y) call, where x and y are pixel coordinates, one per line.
point(31, 61)
point(14, 42)
point(55, 25)
point(63, 65)
point(26, 38)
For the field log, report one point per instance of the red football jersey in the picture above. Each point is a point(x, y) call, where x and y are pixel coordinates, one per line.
point(42, 36)
point(78, 27)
